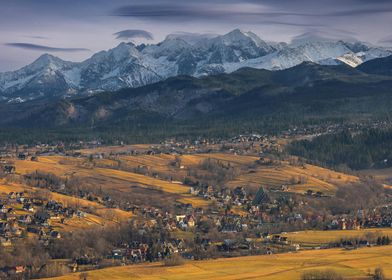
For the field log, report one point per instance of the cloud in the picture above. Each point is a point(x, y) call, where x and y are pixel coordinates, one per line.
point(216, 11)
point(134, 34)
point(275, 22)
point(37, 37)
point(359, 12)
point(175, 12)
point(325, 35)
point(35, 47)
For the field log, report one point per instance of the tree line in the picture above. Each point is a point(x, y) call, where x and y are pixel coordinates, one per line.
point(371, 148)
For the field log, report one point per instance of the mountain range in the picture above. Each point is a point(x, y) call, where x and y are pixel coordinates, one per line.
point(134, 66)
point(305, 93)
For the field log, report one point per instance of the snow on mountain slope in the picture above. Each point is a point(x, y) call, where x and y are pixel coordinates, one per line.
point(45, 65)
point(235, 46)
point(120, 67)
point(298, 52)
point(351, 59)
point(128, 65)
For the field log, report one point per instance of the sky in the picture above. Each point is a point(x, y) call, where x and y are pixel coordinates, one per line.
point(76, 29)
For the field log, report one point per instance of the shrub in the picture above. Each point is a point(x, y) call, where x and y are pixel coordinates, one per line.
point(327, 274)
point(174, 260)
point(83, 276)
point(378, 274)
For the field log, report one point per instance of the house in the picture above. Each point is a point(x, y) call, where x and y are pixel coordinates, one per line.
point(364, 243)
point(38, 202)
point(180, 218)
point(297, 247)
point(80, 214)
point(9, 169)
point(266, 236)
point(10, 216)
point(12, 195)
point(6, 242)
point(283, 239)
point(229, 228)
point(343, 224)
point(55, 217)
point(21, 199)
point(193, 191)
point(117, 254)
point(17, 231)
point(298, 216)
point(309, 192)
point(28, 207)
point(183, 225)
point(25, 219)
point(319, 194)
point(22, 156)
point(55, 234)
point(35, 230)
point(239, 192)
point(3, 208)
point(191, 221)
point(20, 269)
point(4, 227)
point(276, 238)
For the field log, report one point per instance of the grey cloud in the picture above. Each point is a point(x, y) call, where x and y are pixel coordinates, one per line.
point(35, 47)
point(175, 12)
point(37, 37)
point(272, 22)
point(228, 12)
point(359, 12)
point(325, 35)
point(133, 34)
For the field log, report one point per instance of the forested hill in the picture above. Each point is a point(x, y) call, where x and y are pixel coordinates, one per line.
point(368, 149)
point(222, 105)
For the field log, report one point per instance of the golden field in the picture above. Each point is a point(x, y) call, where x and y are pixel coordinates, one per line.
point(311, 177)
point(353, 264)
point(105, 174)
point(319, 237)
point(109, 178)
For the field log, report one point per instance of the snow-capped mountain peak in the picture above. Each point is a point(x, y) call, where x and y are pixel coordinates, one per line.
point(235, 36)
point(128, 65)
point(170, 47)
point(120, 52)
point(45, 60)
point(191, 38)
point(239, 38)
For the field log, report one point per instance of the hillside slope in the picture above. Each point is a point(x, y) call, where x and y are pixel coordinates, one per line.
point(305, 91)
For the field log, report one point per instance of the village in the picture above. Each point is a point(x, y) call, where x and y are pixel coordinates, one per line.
point(235, 221)
point(27, 214)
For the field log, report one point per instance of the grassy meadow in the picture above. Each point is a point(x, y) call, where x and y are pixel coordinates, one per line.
point(354, 264)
